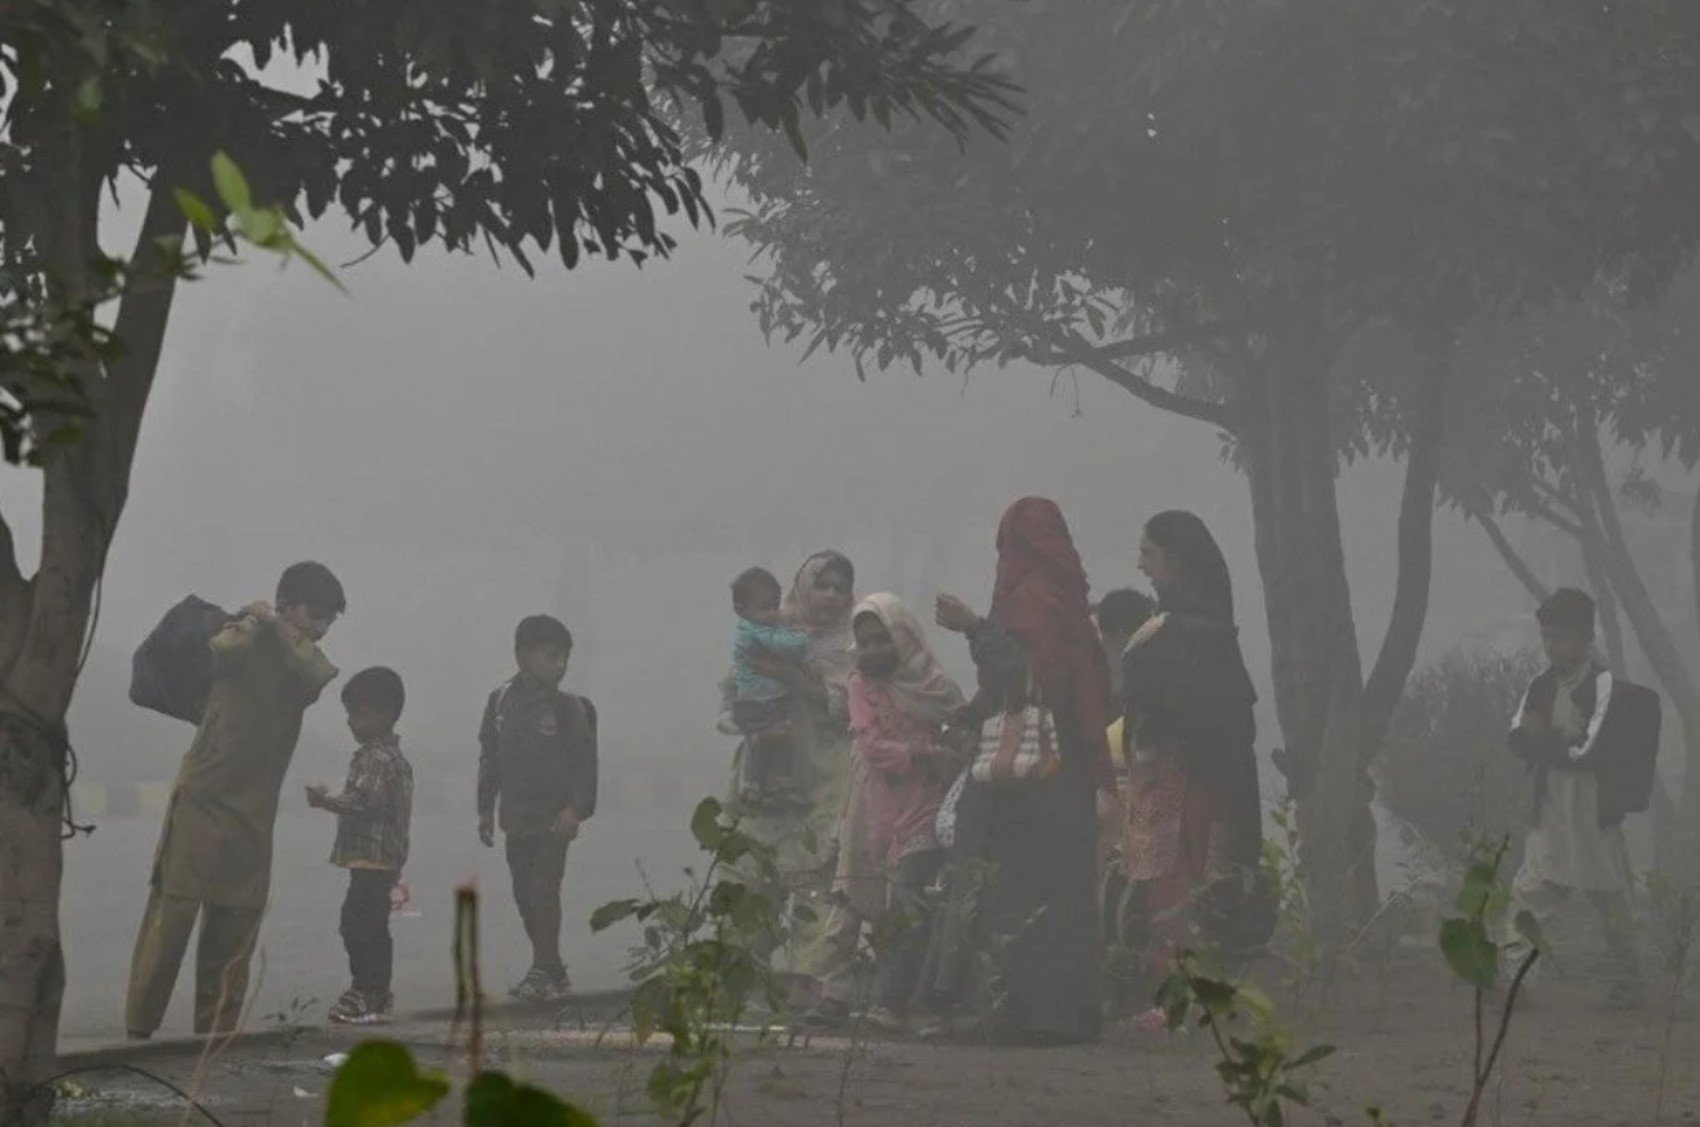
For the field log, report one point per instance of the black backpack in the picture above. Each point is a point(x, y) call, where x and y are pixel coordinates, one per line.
point(1628, 745)
point(172, 670)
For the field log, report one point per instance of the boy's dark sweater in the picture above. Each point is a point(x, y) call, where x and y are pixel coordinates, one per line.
point(538, 756)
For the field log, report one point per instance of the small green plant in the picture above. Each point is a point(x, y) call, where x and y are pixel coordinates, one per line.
point(1263, 1073)
point(1468, 942)
point(702, 961)
point(1676, 919)
point(1297, 943)
point(380, 1084)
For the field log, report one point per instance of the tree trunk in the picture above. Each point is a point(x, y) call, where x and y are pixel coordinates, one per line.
point(1603, 525)
point(1290, 464)
point(32, 964)
point(43, 634)
point(1611, 623)
point(1511, 557)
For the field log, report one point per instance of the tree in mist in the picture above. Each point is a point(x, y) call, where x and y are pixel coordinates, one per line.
point(1579, 413)
point(1206, 204)
point(523, 127)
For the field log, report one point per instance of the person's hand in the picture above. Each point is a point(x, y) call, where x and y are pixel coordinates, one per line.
point(955, 615)
point(487, 831)
point(260, 611)
point(566, 824)
point(316, 794)
point(1109, 804)
point(400, 896)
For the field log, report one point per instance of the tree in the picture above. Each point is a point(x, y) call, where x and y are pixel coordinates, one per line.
point(1251, 192)
point(524, 126)
point(1581, 398)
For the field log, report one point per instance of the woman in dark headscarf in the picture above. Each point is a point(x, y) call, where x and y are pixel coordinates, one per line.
point(1025, 953)
point(1194, 834)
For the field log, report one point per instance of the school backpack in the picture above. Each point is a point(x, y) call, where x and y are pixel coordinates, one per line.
point(1628, 746)
point(172, 670)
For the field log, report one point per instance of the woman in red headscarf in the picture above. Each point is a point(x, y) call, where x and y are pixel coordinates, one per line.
point(1025, 955)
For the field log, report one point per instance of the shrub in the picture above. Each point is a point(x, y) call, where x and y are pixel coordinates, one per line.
point(1445, 772)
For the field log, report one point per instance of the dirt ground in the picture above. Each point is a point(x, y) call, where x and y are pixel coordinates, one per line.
point(1403, 1030)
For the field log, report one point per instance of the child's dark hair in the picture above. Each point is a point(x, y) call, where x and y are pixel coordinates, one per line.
point(378, 685)
point(312, 585)
point(542, 631)
point(1568, 609)
point(1123, 611)
point(752, 584)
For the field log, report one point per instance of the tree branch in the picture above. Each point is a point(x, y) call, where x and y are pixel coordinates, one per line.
point(1386, 683)
point(1073, 350)
point(140, 326)
point(1167, 341)
point(1513, 559)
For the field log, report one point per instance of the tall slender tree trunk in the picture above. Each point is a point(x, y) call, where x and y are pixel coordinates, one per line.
point(43, 633)
point(1291, 466)
point(1603, 525)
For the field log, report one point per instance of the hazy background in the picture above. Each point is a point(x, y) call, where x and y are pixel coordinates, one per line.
point(464, 446)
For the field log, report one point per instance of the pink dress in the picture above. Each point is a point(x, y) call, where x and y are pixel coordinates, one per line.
point(908, 773)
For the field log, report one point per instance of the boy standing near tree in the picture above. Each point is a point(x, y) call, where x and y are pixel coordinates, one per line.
point(1584, 736)
point(537, 769)
point(214, 860)
point(374, 815)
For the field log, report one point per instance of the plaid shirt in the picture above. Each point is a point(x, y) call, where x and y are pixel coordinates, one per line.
point(374, 809)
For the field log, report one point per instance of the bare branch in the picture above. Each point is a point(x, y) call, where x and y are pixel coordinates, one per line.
point(1073, 350)
point(140, 326)
point(1169, 340)
point(1513, 559)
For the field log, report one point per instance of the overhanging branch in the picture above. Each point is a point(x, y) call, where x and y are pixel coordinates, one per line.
point(1169, 340)
point(1070, 349)
point(1508, 553)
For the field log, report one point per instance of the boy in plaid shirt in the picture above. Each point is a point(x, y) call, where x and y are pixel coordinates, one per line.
point(373, 812)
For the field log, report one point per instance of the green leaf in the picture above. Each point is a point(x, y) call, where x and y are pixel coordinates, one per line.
point(231, 184)
point(1254, 999)
point(317, 265)
point(705, 823)
point(1311, 1056)
point(90, 97)
point(612, 913)
point(494, 1100)
point(379, 1085)
point(262, 226)
point(1214, 995)
point(196, 211)
point(1469, 952)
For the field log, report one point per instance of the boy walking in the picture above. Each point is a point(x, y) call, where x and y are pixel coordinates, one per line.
point(215, 852)
point(1585, 735)
point(374, 812)
point(537, 768)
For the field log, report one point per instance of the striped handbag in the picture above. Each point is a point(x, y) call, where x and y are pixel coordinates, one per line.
point(1018, 745)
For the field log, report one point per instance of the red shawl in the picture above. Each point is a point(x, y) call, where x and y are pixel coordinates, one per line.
point(1041, 598)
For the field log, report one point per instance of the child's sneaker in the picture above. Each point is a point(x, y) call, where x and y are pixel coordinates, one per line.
point(379, 1010)
point(350, 1009)
point(540, 985)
